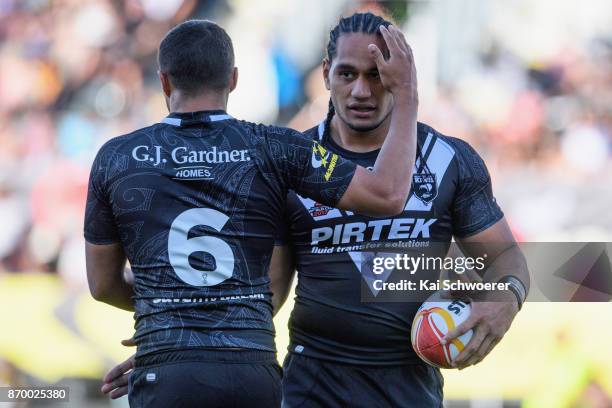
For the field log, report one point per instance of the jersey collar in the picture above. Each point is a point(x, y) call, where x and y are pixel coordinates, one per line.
point(329, 142)
point(181, 119)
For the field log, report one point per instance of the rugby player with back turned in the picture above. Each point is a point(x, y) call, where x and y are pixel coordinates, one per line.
point(194, 203)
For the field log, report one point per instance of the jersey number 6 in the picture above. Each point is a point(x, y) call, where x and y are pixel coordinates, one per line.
point(180, 247)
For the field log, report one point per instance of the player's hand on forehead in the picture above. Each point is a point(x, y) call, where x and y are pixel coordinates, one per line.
point(400, 39)
point(397, 73)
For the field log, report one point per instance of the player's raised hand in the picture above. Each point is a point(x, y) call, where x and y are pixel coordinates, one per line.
point(397, 73)
point(116, 380)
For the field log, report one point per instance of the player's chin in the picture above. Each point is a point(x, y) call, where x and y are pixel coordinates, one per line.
point(363, 125)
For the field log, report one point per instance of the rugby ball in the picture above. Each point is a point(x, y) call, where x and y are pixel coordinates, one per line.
point(434, 319)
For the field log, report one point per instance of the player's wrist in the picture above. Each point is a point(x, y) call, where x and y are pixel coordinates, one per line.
point(405, 93)
point(516, 287)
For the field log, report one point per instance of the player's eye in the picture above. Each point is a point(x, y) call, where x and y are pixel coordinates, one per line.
point(374, 75)
point(346, 74)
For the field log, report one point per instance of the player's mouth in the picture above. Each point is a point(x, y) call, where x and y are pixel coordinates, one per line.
point(362, 110)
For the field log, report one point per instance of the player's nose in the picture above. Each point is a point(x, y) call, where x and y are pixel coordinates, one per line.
point(361, 88)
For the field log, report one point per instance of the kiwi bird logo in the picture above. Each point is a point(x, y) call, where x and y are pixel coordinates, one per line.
point(425, 187)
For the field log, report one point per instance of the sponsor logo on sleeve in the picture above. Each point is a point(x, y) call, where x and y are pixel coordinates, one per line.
point(321, 157)
point(319, 210)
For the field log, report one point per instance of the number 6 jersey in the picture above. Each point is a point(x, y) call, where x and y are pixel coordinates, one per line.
point(195, 201)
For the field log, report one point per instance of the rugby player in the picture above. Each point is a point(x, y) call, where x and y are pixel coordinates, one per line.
point(343, 350)
point(194, 204)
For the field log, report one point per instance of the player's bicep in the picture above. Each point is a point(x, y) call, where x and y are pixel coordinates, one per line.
point(498, 249)
point(307, 167)
point(362, 196)
point(491, 242)
point(474, 208)
point(99, 225)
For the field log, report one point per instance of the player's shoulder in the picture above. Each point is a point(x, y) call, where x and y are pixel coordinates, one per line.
point(121, 142)
point(115, 153)
point(312, 133)
point(273, 133)
point(461, 149)
point(263, 130)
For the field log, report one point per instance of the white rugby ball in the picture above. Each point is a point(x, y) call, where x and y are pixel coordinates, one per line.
point(434, 319)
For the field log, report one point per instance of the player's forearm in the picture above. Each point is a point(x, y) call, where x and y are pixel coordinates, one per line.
point(510, 262)
point(384, 190)
point(119, 295)
point(280, 291)
point(279, 296)
point(393, 167)
point(281, 272)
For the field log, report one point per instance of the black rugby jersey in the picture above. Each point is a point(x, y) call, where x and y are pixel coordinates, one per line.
point(334, 318)
point(195, 202)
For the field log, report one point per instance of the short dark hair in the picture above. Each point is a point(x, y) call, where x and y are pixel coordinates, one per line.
point(197, 55)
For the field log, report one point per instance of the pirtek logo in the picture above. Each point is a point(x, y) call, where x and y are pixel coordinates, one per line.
point(374, 230)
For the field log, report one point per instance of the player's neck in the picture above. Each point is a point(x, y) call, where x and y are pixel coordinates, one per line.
point(179, 103)
point(355, 141)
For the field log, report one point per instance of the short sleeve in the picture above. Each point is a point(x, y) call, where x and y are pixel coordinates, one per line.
point(474, 208)
point(308, 168)
point(100, 226)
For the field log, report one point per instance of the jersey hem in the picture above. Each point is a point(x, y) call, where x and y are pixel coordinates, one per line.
point(413, 361)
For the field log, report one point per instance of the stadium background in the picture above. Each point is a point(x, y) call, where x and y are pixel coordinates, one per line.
point(528, 83)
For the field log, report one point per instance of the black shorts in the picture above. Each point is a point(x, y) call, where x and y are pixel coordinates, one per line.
point(205, 378)
point(309, 383)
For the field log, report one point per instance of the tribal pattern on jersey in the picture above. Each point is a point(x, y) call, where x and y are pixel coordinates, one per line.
point(332, 319)
point(195, 202)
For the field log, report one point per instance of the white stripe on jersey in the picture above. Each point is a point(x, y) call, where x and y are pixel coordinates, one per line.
point(172, 121)
point(216, 118)
point(320, 130)
point(211, 118)
point(417, 162)
point(437, 162)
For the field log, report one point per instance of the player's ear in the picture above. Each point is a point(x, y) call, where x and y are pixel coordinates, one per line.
point(233, 79)
point(326, 69)
point(165, 83)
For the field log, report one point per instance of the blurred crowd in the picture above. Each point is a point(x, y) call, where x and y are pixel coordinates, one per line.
point(528, 84)
point(74, 74)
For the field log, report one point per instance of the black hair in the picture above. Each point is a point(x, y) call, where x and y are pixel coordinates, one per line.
point(366, 23)
point(197, 55)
